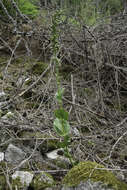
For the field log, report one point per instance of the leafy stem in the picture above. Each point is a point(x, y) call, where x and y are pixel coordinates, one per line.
point(61, 124)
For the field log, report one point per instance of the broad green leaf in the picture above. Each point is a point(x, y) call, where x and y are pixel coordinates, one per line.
point(61, 114)
point(61, 127)
point(57, 127)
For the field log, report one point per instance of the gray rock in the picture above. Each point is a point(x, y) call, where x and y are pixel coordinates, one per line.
point(57, 156)
point(88, 186)
point(53, 155)
point(43, 180)
point(46, 178)
point(14, 154)
point(1, 156)
point(24, 176)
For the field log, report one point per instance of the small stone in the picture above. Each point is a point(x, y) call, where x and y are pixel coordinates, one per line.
point(57, 156)
point(53, 154)
point(14, 154)
point(42, 181)
point(24, 176)
point(1, 156)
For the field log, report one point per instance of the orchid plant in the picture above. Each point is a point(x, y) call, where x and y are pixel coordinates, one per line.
point(60, 124)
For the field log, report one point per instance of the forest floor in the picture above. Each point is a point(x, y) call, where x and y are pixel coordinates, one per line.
point(94, 75)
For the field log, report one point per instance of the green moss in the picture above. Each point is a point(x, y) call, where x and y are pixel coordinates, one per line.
point(3, 183)
point(28, 8)
point(38, 68)
point(42, 181)
point(87, 170)
point(17, 183)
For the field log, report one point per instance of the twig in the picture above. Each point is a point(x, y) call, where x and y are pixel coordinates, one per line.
point(6, 45)
point(113, 147)
point(84, 108)
point(116, 67)
point(32, 85)
point(6, 12)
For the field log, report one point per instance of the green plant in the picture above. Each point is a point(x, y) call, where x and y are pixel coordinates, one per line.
point(25, 6)
point(61, 124)
point(28, 8)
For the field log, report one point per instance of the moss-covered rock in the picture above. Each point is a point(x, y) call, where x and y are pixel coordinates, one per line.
point(42, 181)
point(21, 179)
point(85, 171)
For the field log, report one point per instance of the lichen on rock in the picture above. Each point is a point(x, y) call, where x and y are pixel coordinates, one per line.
point(42, 181)
point(95, 172)
point(21, 178)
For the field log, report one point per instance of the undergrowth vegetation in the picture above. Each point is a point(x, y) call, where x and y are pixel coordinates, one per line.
point(88, 11)
point(25, 6)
